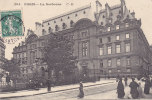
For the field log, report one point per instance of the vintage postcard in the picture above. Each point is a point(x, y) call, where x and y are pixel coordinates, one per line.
point(75, 49)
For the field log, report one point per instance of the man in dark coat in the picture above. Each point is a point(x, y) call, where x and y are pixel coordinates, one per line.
point(147, 86)
point(81, 93)
point(134, 92)
point(120, 89)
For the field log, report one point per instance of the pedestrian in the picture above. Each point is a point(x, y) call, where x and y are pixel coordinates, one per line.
point(49, 85)
point(120, 89)
point(134, 92)
point(81, 93)
point(140, 91)
point(147, 86)
point(126, 79)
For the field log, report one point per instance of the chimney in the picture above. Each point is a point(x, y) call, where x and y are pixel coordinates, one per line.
point(37, 25)
point(133, 14)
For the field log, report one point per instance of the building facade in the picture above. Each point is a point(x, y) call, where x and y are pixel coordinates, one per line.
point(107, 43)
point(2, 57)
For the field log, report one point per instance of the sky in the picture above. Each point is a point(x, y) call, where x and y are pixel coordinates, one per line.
point(37, 13)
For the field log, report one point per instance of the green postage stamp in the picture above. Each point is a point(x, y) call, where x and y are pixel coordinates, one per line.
point(11, 23)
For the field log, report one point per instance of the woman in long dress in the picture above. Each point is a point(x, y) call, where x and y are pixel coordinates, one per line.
point(120, 89)
point(140, 91)
point(134, 92)
point(147, 86)
point(81, 93)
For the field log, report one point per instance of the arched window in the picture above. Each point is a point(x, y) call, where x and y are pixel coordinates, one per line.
point(43, 31)
point(64, 25)
point(56, 27)
point(71, 23)
point(50, 30)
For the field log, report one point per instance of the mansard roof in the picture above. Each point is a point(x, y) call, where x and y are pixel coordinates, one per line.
point(113, 15)
point(63, 21)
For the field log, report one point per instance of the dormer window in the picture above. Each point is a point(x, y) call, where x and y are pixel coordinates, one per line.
point(50, 29)
point(64, 25)
point(109, 29)
point(56, 28)
point(127, 25)
point(43, 32)
point(117, 27)
point(71, 23)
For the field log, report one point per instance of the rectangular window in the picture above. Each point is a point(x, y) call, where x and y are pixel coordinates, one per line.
point(127, 35)
point(84, 33)
point(128, 70)
point(117, 37)
point(109, 49)
point(118, 70)
point(118, 62)
point(101, 64)
point(101, 51)
point(127, 25)
point(127, 45)
point(109, 29)
point(84, 48)
point(109, 62)
point(128, 61)
point(109, 39)
point(109, 71)
point(117, 27)
point(100, 40)
point(118, 48)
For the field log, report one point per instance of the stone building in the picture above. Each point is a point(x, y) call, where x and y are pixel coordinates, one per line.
point(2, 57)
point(2, 51)
point(107, 43)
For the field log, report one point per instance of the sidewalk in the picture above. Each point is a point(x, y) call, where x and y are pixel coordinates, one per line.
point(53, 89)
point(113, 94)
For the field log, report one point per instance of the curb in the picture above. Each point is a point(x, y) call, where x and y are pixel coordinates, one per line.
point(53, 91)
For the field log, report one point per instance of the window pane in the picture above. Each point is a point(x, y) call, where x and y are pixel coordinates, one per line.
point(127, 47)
point(84, 48)
point(127, 25)
point(109, 62)
point(100, 40)
point(118, 48)
point(118, 62)
point(109, 39)
point(101, 51)
point(128, 61)
point(109, 50)
point(117, 37)
point(117, 27)
point(127, 36)
point(109, 29)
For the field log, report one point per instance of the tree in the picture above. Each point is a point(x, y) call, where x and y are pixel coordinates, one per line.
point(58, 54)
point(12, 67)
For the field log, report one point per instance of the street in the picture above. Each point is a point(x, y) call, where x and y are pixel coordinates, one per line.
point(103, 91)
point(69, 94)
